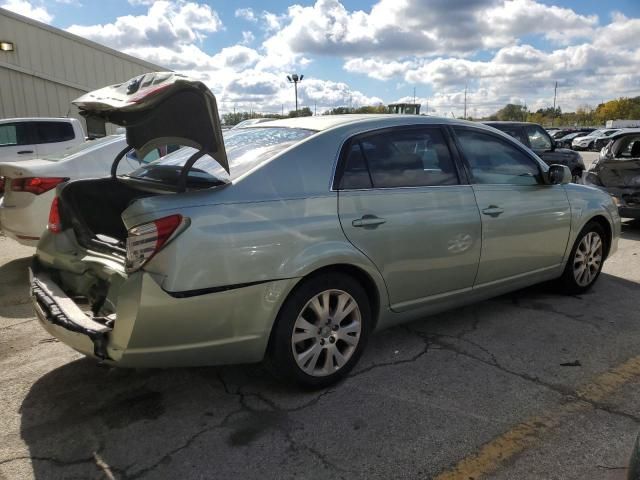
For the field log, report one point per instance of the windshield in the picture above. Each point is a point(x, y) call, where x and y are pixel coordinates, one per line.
point(88, 146)
point(246, 149)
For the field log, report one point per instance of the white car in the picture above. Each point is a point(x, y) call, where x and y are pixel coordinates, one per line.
point(28, 138)
point(30, 185)
point(587, 142)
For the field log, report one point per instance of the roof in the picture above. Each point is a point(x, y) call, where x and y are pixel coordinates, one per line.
point(81, 40)
point(507, 122)
point(325, 122)
point(624, 132)
point(38, 119)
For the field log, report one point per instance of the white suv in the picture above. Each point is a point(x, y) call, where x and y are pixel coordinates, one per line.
point(27, 138)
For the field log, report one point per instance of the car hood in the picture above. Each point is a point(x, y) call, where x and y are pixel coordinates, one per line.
point(160, 108)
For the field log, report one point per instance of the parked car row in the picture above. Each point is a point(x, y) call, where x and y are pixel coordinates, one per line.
point(537, 139)
point(617, 171)
point(294, 240)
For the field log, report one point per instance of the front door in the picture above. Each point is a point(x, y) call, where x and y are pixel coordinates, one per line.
point(401, 203)
point(525, 222)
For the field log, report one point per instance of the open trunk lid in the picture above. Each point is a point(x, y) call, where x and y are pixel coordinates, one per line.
point(160, 108)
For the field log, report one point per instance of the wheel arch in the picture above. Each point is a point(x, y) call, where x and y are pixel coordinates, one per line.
point(375, 296)
point(606, 226)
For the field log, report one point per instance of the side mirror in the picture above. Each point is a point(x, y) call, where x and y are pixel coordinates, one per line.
point(559, 175)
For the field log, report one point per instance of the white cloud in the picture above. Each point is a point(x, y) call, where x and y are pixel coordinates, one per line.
point(246, 14)
point(422, 27)
point(28, 9)
point(166, 24)
point(247, 37)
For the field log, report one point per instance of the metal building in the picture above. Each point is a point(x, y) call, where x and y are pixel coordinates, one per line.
point(43, 68)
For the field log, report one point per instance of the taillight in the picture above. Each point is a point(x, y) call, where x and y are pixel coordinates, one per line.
point(35, 185)
point(55, 223)
point(144, 241)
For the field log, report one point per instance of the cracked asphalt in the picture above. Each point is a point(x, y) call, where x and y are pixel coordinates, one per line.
point(528, 385)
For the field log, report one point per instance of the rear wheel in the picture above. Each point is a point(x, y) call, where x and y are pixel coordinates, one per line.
point(321, 331)
point(586, 260)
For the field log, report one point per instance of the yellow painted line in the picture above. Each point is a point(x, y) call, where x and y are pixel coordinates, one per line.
point(526, 434)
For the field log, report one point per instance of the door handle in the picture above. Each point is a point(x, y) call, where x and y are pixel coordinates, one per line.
point(493, 211)
point(368, 221)
point(24, 151)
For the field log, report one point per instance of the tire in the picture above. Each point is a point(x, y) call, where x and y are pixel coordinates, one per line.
point(576, 176)
point(576, 280)
point(322, 341)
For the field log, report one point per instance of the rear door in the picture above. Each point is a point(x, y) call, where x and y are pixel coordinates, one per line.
point(53, 137)
point(525, 222)
point(402, 203)
point(16, 142)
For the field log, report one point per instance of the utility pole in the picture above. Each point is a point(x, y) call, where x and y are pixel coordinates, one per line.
point(427, 106)
point(414, 95)
point(555, 94)
point(465, 101)
point(315, 109)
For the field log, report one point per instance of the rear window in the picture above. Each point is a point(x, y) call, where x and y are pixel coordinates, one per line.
point(53, 132)
point(246, 149)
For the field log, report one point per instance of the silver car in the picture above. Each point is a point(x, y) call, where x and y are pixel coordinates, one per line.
point(297, 239)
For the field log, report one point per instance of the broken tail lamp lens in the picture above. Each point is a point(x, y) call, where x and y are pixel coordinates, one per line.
point(54, 225)
point(145, 240)
point(36, 185)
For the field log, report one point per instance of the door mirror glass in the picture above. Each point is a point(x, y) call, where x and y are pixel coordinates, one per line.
point(559, 175)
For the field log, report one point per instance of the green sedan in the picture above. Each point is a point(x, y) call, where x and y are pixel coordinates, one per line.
point(294, 240)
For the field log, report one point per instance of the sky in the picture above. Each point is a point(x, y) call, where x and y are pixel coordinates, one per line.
point(366, 52)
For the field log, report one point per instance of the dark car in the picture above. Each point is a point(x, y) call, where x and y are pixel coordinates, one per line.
point(537, 139)
point(617, 171)
point(561, 132)
point(565, 142)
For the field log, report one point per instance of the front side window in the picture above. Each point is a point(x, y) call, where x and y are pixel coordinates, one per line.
point(13, 134)
point(494, 161)
point(53, 132)
point(399, 158)
point(538, 138)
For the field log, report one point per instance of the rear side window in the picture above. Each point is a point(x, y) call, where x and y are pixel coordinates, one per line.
point(494, 161)
point(53, 132)
point(399, 158)
point(12, 134)
point(515, 132)
point(538, 138)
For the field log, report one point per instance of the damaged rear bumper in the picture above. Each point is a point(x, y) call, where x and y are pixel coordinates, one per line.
point(62, 318)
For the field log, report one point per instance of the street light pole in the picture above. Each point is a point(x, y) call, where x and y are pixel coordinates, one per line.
point(295, 79)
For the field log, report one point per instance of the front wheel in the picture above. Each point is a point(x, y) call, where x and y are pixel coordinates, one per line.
point(320, 331)
point(576, 176)
point(586, 260)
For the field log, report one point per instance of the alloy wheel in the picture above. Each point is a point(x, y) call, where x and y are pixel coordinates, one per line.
point(326, 333)
point(587, 259)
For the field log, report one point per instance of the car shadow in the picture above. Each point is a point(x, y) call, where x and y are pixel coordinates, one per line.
point(631, 230)
point(14, 289)
point(83, 420)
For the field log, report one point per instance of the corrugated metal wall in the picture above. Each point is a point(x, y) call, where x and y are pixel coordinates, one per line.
point(49, 68)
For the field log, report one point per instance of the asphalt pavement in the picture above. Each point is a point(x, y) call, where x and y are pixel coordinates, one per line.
point(530, 385)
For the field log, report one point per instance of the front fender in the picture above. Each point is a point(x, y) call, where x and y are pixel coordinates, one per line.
point(588, 203)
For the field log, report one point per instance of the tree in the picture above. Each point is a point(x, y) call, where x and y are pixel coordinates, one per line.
point(302, 112)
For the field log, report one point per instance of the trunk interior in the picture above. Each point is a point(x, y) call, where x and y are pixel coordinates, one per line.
point(93, 208)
